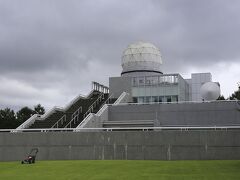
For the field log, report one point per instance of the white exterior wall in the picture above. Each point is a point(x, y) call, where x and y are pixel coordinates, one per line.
point(185, 89)
point(198, 79)
point(189, 81)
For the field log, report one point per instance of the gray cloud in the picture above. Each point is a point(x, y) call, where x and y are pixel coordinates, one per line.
point(61, 46)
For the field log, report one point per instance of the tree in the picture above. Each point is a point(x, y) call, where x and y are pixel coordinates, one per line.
point(221, 97)
point(24, 114)
point(38, 109)
point(236, 94)
point(7, 119)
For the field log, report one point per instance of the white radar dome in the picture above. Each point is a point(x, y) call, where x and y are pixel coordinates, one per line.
point(210, 91)
point(141, 57)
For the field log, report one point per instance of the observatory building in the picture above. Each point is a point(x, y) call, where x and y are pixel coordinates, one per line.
point(156, 116)
point(142, 77)
point(143, 96)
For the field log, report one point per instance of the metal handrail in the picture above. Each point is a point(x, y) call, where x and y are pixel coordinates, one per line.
point(182, 128)
point(100, 111)
point(94, 104)
point(120, 98)
point(75, 116)
point(51, 111)
point(61, 120)
point(177, 102)
point(86, 119)
point(104, 106)
point(108, 99)
point(77, 98)
point(32, 119)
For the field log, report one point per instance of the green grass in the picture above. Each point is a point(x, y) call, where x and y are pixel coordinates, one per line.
point(114, 170)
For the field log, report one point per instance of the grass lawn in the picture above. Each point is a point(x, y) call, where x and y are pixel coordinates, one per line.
point(89, 170)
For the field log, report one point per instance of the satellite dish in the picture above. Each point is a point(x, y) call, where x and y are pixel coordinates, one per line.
point(210, 91)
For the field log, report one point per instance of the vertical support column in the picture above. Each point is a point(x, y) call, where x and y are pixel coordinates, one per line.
point(97, 86)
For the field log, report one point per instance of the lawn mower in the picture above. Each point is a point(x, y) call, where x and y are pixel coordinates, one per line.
point(31, 157)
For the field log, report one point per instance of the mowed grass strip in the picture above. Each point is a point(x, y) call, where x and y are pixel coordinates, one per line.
point(90, 170)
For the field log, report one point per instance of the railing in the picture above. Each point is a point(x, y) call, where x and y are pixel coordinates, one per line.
point(176, 102)
point(80, 96)
point(108, 100)
point(99, 87)
point(94, 104)
point(60, 121)
point(121, 98)
point(32, 119)
point(91, 115)
point(182, 128)
point(35, 117)
point(103, 108)
point(155, 80)
point(51, 111)
point(86, 120)
point(74, 118)
point(29, 122)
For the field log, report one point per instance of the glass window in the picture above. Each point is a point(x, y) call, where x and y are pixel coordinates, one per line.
point(134, 81)
point(168, 79)
point(168, 98)
point(140, 99)
point(174, 98)
point(161, 99)
point(161, 79)
point(155, 99)
point(155, 80)
point(135, 100)
point(175, 79)
point(148, 99)
point(148, 80)
point(141, 81)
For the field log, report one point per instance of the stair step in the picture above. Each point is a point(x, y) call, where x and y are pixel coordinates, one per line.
point(129, 123)
point(84, 103)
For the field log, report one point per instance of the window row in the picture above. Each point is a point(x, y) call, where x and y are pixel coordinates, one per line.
point(149, 99)
point(154, 80)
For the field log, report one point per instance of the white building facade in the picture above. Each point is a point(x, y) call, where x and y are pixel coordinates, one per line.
point(144, 80)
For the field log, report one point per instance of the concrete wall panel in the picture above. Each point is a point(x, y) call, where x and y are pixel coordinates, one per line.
point(159, 145)
point(182, 114)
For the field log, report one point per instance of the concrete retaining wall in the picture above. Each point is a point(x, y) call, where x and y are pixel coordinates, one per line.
point(185, 114)
point(158, 145)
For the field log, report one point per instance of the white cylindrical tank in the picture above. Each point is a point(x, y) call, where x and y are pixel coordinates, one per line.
point(141, 57)
point(210, 91)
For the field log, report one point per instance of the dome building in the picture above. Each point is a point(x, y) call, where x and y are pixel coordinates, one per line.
point(143, 79)
point(210, 91)
point(141, 59)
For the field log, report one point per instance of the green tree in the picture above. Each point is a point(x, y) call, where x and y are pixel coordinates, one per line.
point(38, 109)
point(7, 119)
point(221, 97)
point(24, 114)
point(236, 94)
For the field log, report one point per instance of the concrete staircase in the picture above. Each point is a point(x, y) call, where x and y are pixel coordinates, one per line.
point(92, 108)
point(72, 116)
point(48, 122)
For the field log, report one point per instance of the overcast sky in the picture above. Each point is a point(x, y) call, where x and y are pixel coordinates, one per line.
point(51, 50)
